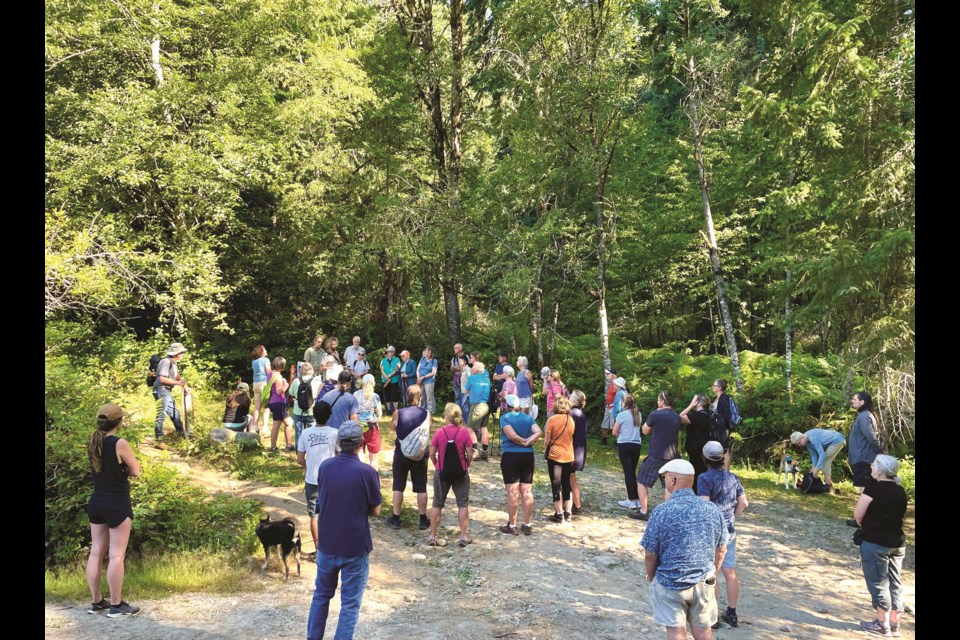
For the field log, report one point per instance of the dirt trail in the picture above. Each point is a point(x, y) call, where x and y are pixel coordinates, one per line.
point(800, 577)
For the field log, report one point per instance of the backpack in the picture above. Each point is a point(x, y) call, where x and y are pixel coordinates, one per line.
point(735, 417)
point(718, 428)
point(454, 467)
point(305, 394)
point(152, 373)
point(265, 395)
point(812, 484)
point(414, 446)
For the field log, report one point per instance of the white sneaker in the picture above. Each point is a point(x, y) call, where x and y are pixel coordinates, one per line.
point(628, 504)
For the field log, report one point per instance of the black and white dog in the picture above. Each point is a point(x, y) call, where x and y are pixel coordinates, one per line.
point(284, 534)
point(788, 466)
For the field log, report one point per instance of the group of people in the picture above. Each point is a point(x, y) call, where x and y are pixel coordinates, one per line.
point(689, 540)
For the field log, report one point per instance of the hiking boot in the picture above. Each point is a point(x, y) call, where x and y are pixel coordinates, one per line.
point(575, 510)
point(483, 456)
point(526, 530)
point(557, 517)
point(97, 607)
point(895, 629)
point(424, 523)
point(637, 514)
point(509, 529)
point(566, 516)
point(122, 609)
point(852, 523)
point(876, 627)
point(393, 521)
point(715, 625)
point(730, 617)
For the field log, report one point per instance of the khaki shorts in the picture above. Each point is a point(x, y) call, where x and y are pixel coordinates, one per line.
point(607, 422)
point(696, 605)
point(257, 391)
point(478, 415)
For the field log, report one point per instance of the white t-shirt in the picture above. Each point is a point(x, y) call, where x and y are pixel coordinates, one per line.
point(318, 444)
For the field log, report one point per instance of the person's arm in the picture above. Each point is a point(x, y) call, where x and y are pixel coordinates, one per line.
point(393, 421)
point(683, 414)
point(616, 428)
point(512, 435)
point(433, 454)
point(378, 410)
point(473, 437)
point(535, 434)
point(869, 432)
point(860, 510)
point(816, 453)
point(455, 365)
point(718, 558)
point(302, 459)
point(741, 504)
point(646, 429)
point(650, 562)
point(126, 456)
point(306, 355)
point(433, 371)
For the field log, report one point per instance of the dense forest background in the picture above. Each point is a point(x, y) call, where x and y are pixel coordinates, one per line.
point(659, 185)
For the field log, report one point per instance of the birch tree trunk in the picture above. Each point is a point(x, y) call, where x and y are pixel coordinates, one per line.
point(788, 346)
point(711, 234)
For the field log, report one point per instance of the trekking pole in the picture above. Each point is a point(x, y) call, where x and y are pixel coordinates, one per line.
point(187, 410)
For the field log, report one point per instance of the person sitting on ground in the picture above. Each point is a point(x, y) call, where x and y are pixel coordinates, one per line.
point(518, 432)
point(236, 415)
point(723, 489)
point(317, 443)
point(823, 445)
point(404, 421)
point(452, 432)
point(369, 412)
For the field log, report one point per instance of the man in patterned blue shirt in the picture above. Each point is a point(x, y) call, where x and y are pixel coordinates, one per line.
point(684, 544)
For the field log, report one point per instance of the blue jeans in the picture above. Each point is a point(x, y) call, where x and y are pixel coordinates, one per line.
point(301, 422)
point(458, 396)
point(166, 407)
point(354, 571)
point(881, 571)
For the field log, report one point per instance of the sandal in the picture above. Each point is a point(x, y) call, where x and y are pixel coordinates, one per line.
point(464, 542)
point(436, 542)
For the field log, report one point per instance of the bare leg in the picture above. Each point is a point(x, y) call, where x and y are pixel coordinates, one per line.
point(513, 499)
point(397, 502)
point(733, 587)
point(288, 430)
point(98, 549)
point(119, 536)
point(422, 503)
point(526, 491)
point(274, 432)
point(642, 495)
point(374, 460)
point(314, 531)
point(575, 489)
point(255, 425)
point(463, 515)
point(435, 521)
point(699, 633)
point(484, 435)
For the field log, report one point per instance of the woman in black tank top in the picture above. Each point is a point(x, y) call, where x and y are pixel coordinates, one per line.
point(109, 510)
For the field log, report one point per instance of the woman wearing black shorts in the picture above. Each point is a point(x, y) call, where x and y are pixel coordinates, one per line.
point(109, 510)
point(518, 432)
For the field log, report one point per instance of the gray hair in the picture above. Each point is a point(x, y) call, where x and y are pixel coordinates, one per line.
point(523, 360)
point(349, 445)
point(887, 465)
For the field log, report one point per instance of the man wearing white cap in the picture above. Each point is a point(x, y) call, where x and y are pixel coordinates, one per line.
point(684, 544)
point(167, 378)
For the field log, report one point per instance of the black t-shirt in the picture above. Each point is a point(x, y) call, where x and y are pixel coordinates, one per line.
point(666, 426)
point(698, 432)
point(883, 522)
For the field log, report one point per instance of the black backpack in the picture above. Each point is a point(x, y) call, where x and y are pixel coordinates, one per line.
point(454, 467)
point(812, 484)
point(152, 372)
point(718, 428)
point(305, 395)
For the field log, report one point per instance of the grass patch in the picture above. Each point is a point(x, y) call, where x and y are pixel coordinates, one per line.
point(156, 576)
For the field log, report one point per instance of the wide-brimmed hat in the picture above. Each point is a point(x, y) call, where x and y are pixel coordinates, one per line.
point(620, 382)
point(175, 349)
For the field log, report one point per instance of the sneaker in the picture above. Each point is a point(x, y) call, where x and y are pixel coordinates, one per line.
point(424, 523)
point(627, 504)
point(393, 521)
point(715, 625)
point(876, 627)
point(273, 449)
point(462, 542)
point(566, 516)
point(575, 510)
point(557, 517)
point(526, 529)
point(509, 529)
point(483, 456)
point(290, 447)
point(852, 523)
point(730, 617)
point(122, 609)
point(636, 514)
point(895, 629)
point(97, 607)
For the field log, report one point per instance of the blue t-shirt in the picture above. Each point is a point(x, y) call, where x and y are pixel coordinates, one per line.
point(523, 426)
point(260, 366)
point(523, 385)
point(618, 402)
point(685, 533)
point(478, 386)
point(723, 488)
point(426, 366)
point(346, 489)
point(343, 409)
point(663, 440)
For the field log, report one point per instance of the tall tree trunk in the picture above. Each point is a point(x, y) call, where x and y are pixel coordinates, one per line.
point(711, 234)
point(155, 60)
point(787, 335)
point(451, 300)
point(536, 314)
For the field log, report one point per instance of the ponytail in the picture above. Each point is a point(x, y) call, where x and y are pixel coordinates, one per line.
point(95, 450)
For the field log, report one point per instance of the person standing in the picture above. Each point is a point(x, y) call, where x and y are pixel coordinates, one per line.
point(369, 412)
point(508, 387)
point(864, 443)
point(697, 419)
point(408, 373)
point(558, 445)
point(524, 384)
point(462, 439)
point(315, 355)
point(404, 421)
point(167, 378)
point(823, 445)
point(109, 510)
point(723, 489)
point(664, 425)
point(390, 377)
point(478, 390)
point(317, 443)
point(684, 544)
point(351, 352)
point(278, 405)
point(348, 492)
point(361, 368)
point(721, 405)
point(879, 511)
point(626, 429)
point(426, 379)
point(610, 391)
point(518, 432)
point(303, 418)
point(332, 344)
point(343, 404)
point(261, 372)
point(457, 363)
point(578, 400)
